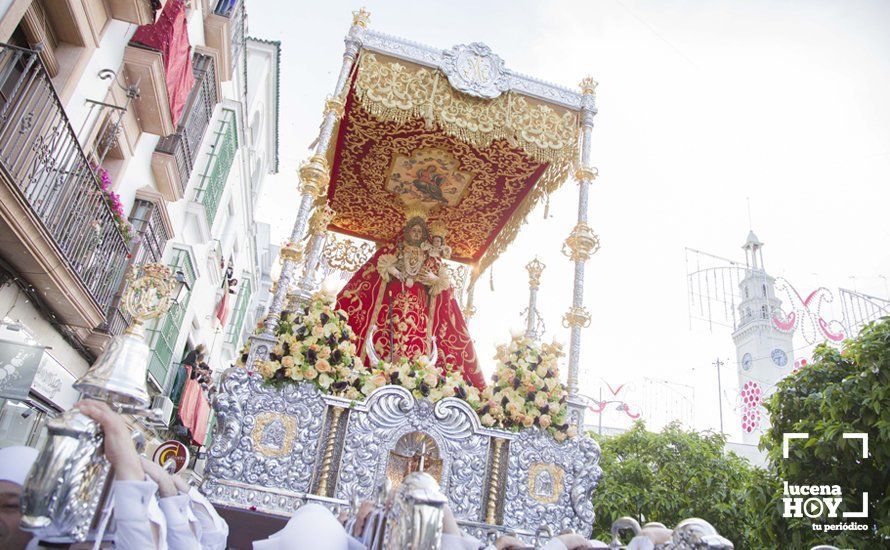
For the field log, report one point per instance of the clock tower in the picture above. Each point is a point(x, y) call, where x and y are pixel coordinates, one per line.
point(764, 353)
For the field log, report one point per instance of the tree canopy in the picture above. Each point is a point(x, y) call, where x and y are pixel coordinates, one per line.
point(676, 474)
point(841, 391)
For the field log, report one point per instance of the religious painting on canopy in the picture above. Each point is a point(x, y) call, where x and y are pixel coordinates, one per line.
point(428, 177)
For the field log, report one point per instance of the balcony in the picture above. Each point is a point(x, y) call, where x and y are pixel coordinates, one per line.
point(56, 227)
point(140, 12)
point(174, 157)
point(222, 155)
point(224, 31)
point(157, 59)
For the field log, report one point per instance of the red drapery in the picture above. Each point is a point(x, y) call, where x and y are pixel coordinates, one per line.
point(194, 409)
point(222, 308)
point(408, 315)
point(202, 418)
point(169, 35)
point(190, 394)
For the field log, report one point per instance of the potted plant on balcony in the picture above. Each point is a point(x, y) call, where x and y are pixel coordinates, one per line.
point(113, 201)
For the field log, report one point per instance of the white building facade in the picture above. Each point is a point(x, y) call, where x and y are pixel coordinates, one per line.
point(129, 135)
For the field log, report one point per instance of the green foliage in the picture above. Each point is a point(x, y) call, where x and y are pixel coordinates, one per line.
point(674, 475)
point(840, 391)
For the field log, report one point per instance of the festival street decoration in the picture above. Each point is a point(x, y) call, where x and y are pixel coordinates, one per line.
point(806, 315)
point(436, 157)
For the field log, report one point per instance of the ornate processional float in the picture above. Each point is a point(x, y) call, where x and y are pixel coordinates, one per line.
point(433, 155)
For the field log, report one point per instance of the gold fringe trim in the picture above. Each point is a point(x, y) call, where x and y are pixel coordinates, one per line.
point(396, 92)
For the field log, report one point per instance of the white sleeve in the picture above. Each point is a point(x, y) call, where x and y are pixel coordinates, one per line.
point(179, 532)
point(132, 516)
point(214, 529)
point(460, 542)
point(554, 544)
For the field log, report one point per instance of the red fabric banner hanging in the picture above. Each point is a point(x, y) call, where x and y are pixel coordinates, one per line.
point(169, 35)
point(201, 420)
point(222, 309)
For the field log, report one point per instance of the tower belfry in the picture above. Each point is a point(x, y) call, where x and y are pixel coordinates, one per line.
point(753, 252)
point(764, 353)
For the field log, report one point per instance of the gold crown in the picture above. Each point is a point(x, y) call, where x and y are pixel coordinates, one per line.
point(360, 17)
point(416, 210)
point(588, 85)
point(438, 229)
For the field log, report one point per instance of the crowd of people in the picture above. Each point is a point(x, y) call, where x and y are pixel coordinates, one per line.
point(156, 510)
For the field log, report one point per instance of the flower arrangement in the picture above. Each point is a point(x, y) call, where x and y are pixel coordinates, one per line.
point(316, 345)
point(113, 201)
point(423, 379)
point(526, 390)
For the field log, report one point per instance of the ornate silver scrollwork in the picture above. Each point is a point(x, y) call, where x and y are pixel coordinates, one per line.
point(546, 478)
point(267, 448)
point(475, 70)
point(244, 408)
point(390, 412)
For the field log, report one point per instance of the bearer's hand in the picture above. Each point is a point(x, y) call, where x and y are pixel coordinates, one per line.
point(507, 543)
point(181, 484)
point(166, 485)
point(119, 447)
point(364, 512)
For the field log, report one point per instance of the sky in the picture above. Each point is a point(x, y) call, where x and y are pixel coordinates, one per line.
point(715, 117)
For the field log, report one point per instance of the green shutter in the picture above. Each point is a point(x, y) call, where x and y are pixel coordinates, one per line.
point(240, 313)
point(162, 338)
point(216, 173)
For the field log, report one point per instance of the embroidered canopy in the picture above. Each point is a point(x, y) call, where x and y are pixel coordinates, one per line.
point(479, 159)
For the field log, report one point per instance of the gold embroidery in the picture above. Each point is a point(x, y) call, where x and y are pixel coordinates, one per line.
point(497, 198)
point(345, 254)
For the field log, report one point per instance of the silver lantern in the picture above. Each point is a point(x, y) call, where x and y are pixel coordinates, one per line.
point(118, 375)
point(69, 481)
point(71, 455)
point(416, 516)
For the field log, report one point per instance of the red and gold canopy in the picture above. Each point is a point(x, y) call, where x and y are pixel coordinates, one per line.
point(479, 165)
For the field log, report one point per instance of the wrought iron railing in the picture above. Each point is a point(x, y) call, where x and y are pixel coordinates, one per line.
point(41, 156)
point(118, 320)
point(222, 154)
point(184, 144)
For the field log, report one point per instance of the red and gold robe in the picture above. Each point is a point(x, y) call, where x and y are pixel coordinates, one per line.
point(408, 315)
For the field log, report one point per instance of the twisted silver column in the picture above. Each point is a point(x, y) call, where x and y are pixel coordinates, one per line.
point(582, 242)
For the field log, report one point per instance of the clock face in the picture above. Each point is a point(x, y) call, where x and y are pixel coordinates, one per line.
point(746, 361)
point(779, 357)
